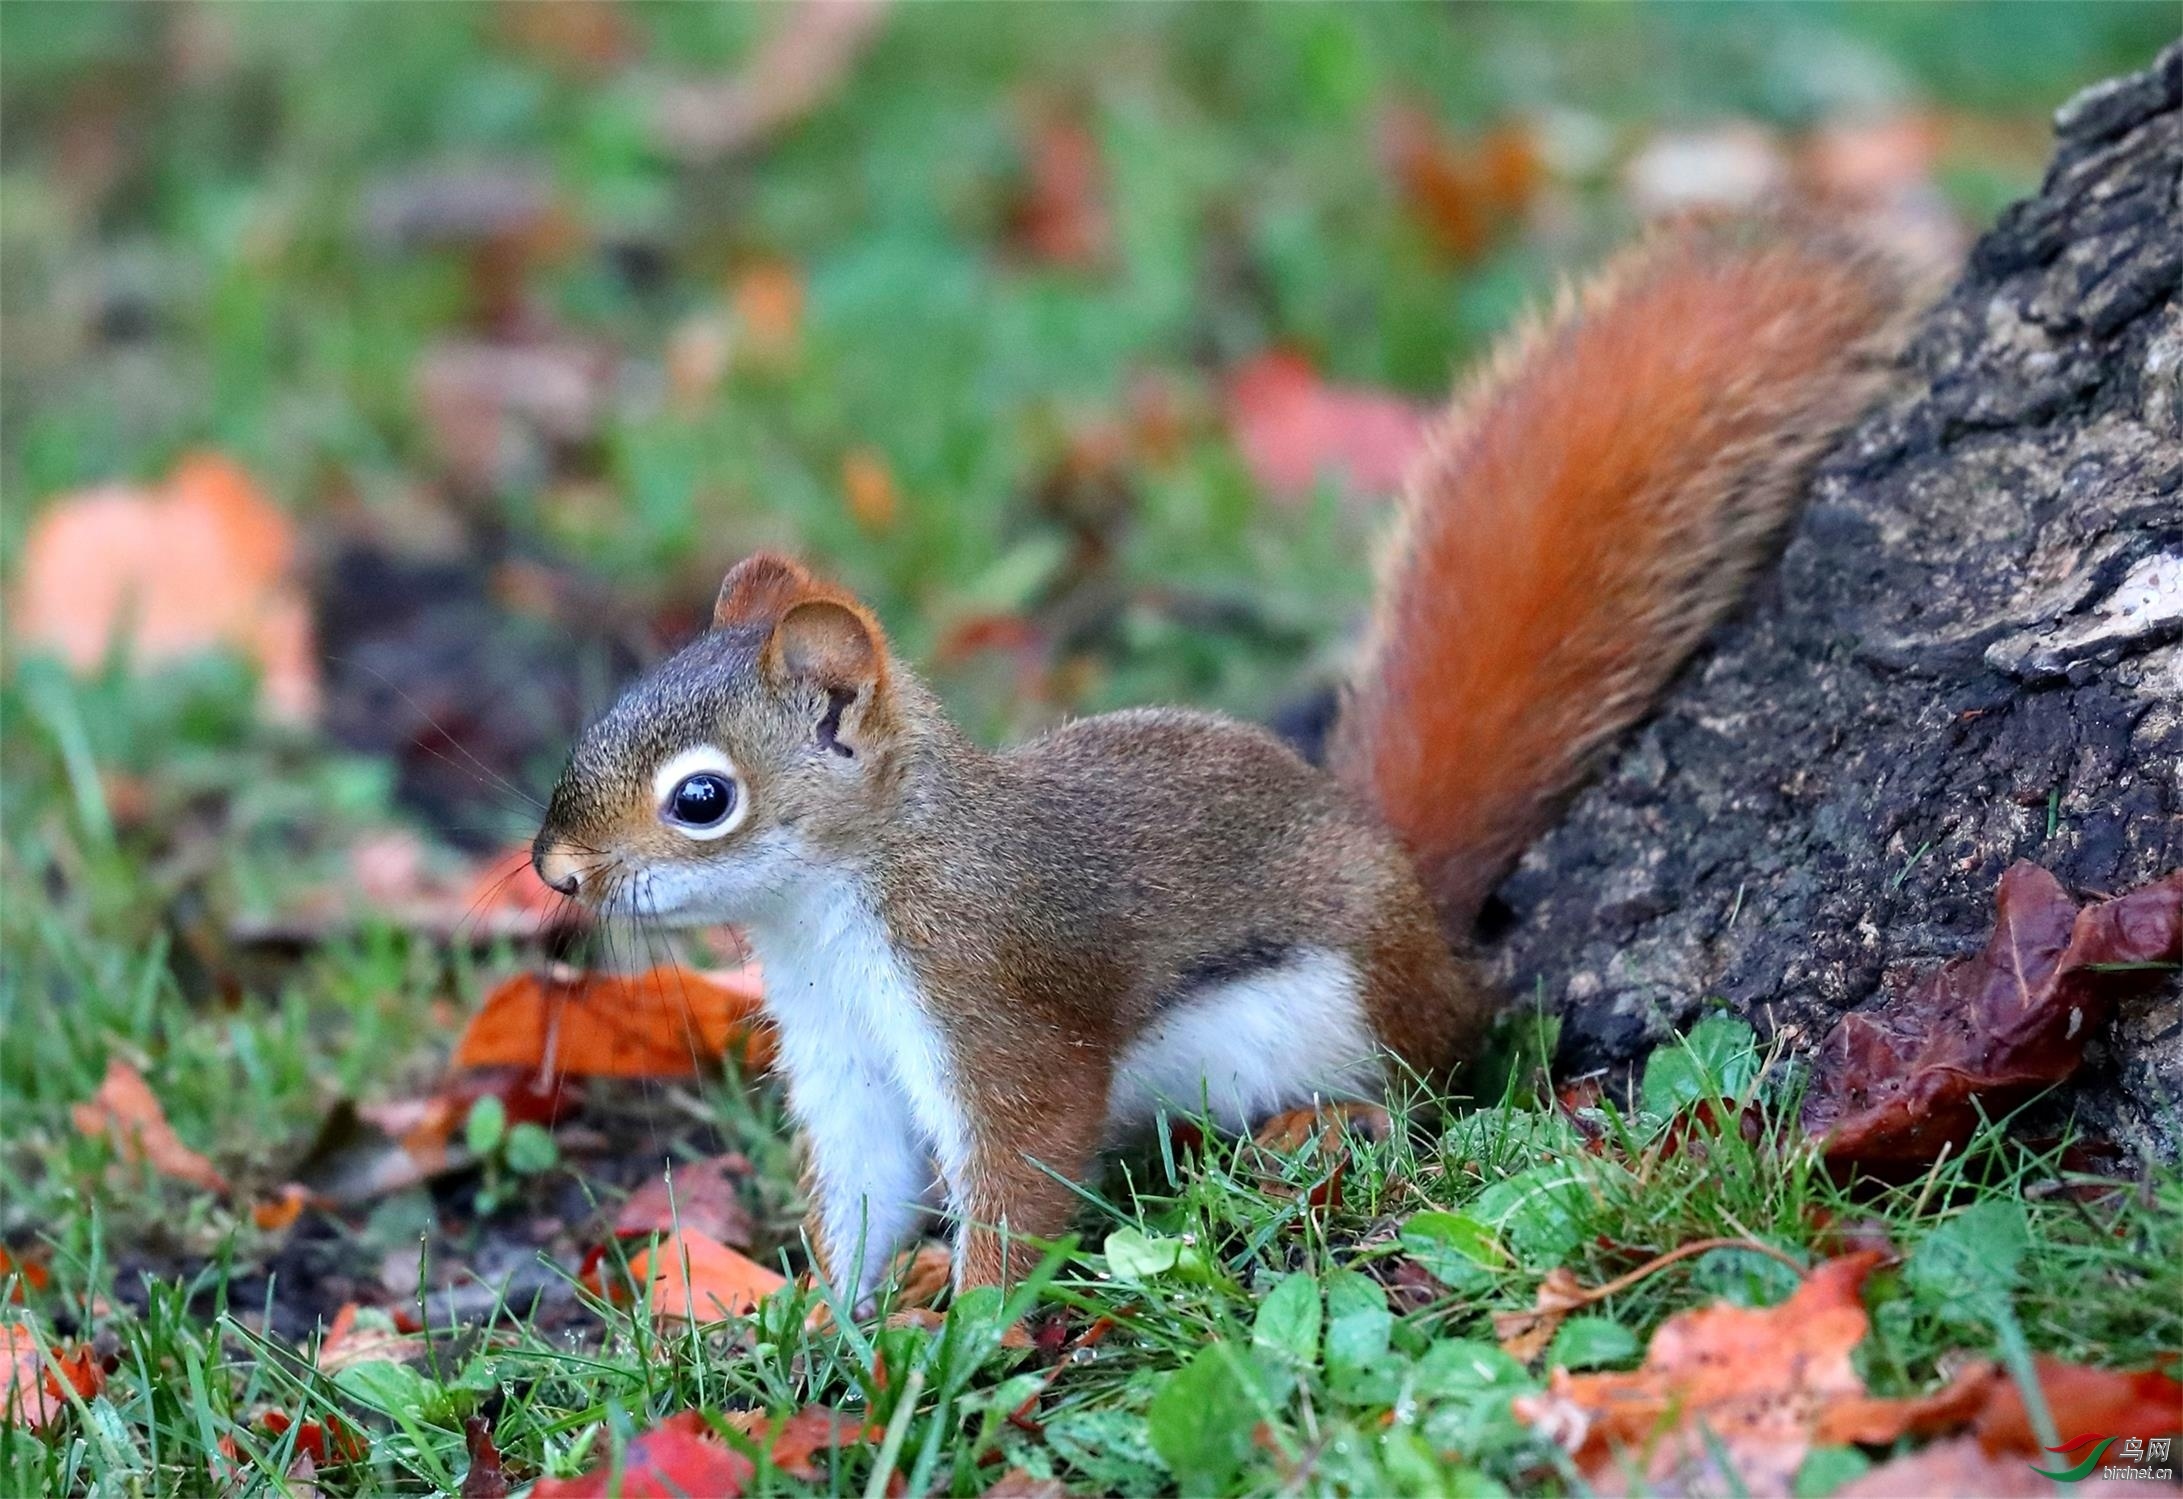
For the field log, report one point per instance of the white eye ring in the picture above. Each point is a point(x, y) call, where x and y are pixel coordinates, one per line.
point(702, 759)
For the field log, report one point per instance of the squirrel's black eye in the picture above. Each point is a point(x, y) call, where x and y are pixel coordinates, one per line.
point(701, 801)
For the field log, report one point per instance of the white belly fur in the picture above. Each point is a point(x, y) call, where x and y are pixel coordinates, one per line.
point(869, 1079)
point(1251, 1047)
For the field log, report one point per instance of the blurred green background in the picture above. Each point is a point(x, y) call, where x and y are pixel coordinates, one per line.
point(260, 229)
point(1081, 339)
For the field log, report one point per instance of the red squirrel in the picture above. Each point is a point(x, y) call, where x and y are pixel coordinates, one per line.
point(986, 967)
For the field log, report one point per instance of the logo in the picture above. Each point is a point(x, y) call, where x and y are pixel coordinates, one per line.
point(2143, 1456)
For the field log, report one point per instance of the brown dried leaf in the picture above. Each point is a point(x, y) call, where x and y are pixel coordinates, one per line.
point(1525, 1335)
point(126, 1111)
point(704, 1195)
point(1895, 1084)
point(486, 1478)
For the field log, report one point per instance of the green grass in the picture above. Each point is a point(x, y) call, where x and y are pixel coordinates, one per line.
point(1249, 211)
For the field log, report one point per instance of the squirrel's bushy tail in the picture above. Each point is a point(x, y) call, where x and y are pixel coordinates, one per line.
point(1582, 516)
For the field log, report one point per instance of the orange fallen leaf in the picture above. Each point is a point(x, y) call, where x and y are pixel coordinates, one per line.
point(869, 486)
point(793, 1441)
point(32, 1392)
point(2144, 1403)
point(126, 1111)
point(665, 1022)
point(768, 299)
point(1017, 1484)
point(326, 1443)
point(1754, 1387)
point(1464, 192)
point(21, 1274)
point(696, 1278)
point(1294, 429)
point(203, 561)
point(1525, 1335)
point(277, 1213)
point(680, 1458)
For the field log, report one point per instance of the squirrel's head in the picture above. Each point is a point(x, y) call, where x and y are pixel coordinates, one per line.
point(718, 780)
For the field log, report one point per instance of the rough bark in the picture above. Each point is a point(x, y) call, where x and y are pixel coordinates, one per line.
point(1969, 654)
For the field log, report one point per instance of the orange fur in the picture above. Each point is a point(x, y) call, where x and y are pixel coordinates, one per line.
point(1581, 518)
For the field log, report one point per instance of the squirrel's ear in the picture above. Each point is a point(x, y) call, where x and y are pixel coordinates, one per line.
point(826, 642)
point(758, 590)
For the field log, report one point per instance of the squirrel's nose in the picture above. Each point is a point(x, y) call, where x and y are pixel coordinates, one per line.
point(559, 869)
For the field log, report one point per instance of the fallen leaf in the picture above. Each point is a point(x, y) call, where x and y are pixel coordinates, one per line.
point(1466, 191)
point(1060, 218)
point(786, 76)
point(703, 1195)
point(276, 1213)
point(1325, 1128)
point(2146, 1403)
point(696, 1278)
point(869, 486)
point(203, 561)
point(769, 302)
point(1294, 429)
point(1895, 1084)
point(1962, 1466)
point(126, 1111)
point(1751, 1387)
point(1017, 1484)
point(665, 1022)
point(922, 1275)
point(1526, 1335)
point(364, 1152)
point(34, 1394)
point(485, 1478)
point(21, 1274)
point(349, 1342)
point(328, 1443)
point(795, 1440)
point(680, 1458)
